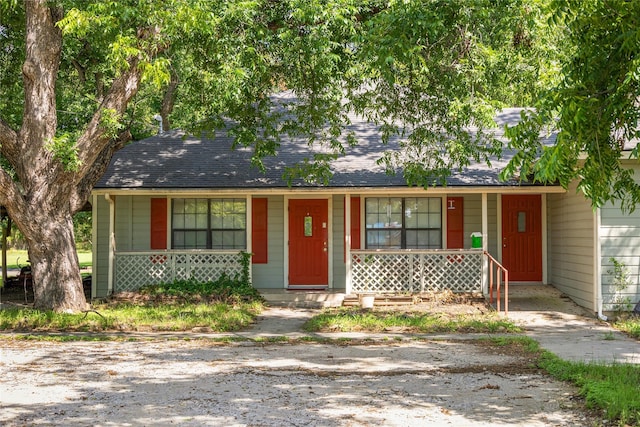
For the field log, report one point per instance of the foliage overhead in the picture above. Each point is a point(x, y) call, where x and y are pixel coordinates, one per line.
point(595, 108)
point(425, 71)
point(80, 79)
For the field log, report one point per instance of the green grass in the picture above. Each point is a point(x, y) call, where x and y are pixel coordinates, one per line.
point(357, 320)
point(221, 306)
point(217, 317)
point(613, 389)
point(630, 326)
point(16, 258)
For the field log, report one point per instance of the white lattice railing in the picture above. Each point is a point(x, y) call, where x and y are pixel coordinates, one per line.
point(416, 271)
point(136, 269)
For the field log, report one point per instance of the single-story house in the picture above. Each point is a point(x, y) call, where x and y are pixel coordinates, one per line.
point(176, 206)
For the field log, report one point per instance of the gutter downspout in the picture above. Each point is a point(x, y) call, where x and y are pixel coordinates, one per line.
point(112, 242)
point(598, 265)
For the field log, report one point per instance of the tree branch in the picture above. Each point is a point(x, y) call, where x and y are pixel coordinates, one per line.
point(39, 72)
point(10, 196)
point(8, 140)
point(99, 166)
point(95, 139)
point(168, 101)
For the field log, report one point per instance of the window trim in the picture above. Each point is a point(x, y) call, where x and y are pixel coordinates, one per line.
point(209, 230)
point(403, 227)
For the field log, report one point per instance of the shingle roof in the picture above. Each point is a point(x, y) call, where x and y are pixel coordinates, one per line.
point(173, 161)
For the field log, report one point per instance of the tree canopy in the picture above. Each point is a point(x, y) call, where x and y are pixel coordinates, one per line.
point(82, 78)
point(595, 108)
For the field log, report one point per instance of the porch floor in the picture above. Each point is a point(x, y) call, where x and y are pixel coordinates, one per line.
point(523, 299)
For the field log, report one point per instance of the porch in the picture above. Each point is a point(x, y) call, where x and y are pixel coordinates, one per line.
point(379, 272)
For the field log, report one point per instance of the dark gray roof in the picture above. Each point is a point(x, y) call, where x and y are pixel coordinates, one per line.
point(173, 161)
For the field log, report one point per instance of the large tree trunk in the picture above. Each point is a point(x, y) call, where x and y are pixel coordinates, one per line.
point(42, 194)
point(54, 264)
point(6, 232)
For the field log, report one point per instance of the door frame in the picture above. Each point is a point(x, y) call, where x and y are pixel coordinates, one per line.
point(329, 200)
point(543, 218)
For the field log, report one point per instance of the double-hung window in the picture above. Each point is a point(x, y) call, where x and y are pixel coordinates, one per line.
point(403, 222)
point(209, 223)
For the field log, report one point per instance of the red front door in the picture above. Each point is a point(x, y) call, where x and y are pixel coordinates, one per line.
point(522, 237)
point(308, 242)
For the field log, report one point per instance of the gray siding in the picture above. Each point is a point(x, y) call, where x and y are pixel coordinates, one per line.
point(473, 220)
point(133, 223)
point(620, 239)
point(132, 233)
point(271, 275)
point(339, 266)
point(570, 225)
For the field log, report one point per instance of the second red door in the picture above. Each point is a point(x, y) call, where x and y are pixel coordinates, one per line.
point(522, 237)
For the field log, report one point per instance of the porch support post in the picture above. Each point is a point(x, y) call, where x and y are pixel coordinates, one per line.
point(112, 242)
point(94, 239)
point(249, 235)
point(485, 245)
point(347, 241)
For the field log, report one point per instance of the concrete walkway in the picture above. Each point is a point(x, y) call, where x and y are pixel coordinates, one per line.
point(558, 324)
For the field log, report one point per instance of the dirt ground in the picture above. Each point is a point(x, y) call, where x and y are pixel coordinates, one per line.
point(21, 294)
point(163, 381)
point(200, 382)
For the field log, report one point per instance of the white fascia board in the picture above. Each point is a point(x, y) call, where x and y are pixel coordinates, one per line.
point(336, 190)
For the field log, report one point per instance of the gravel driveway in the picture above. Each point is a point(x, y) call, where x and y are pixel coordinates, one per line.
point(200, 382)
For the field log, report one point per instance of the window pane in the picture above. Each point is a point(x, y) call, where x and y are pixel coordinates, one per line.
point(240, 239)
point(239, 221)
point(195, 221)
point(216, 240)
point(395, 220)
point(435, 204)
point(178, 220)
point(373, 221)
point(423, 239)
point(417, 239)
point(435, 239)
point(412, 239)
point(228, 214)
point(190, 240)
point(216, 221)
point(390, 239)
point(373, 239)
point(435, 220)
point(396, 205)
point(522, 222)
point(228, 240)
point(240, 206)
point(371, 205)
point(201, 220)
point(414, 222)
point(374, 218)
point(190, 221)
point(410, 217)
point(178, 239)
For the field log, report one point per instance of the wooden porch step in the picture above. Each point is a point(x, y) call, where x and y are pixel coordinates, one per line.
point(380, 300)
point(302, 299)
